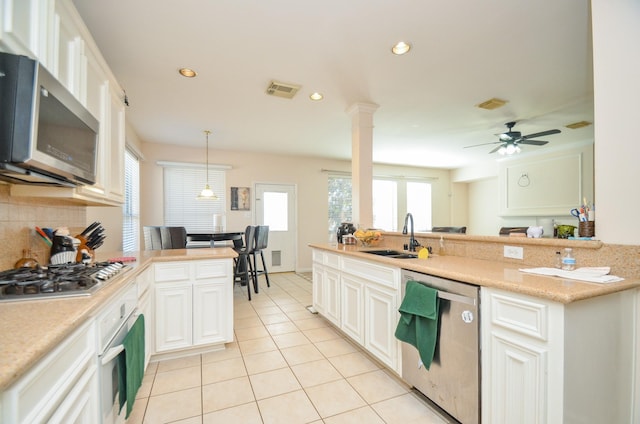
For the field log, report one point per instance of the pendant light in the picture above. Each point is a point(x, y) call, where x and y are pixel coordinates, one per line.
point(207, 193)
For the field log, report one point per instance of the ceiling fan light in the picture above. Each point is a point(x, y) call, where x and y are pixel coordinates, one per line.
point(511, 149)
point(502, 150)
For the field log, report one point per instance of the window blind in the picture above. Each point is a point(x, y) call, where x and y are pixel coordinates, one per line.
point(182, 184)
point(131, 206)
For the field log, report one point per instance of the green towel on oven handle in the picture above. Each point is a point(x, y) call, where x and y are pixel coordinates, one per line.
point(131, 364)
point(418, 325)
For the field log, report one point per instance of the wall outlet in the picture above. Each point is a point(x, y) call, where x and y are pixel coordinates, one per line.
point(513, 252)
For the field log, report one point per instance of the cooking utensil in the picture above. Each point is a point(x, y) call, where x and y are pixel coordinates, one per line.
point(26, 261)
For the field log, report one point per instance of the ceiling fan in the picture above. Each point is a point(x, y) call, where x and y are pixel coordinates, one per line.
point(510, 140)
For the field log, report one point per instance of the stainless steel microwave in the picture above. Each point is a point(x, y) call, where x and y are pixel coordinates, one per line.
point(46, 136)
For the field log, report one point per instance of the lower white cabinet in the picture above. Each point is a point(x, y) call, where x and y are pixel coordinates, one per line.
point(381, 318)
point(193, 304)
point(547, 362)
point(62, 387)
point(362, 299)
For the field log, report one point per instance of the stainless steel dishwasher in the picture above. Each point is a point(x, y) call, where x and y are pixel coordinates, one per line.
point(453, 379)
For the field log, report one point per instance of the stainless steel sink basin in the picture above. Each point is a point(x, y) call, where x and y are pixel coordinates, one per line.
point(396, 254)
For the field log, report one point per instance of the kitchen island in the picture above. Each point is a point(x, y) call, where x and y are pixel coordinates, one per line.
point(36, 328)
point(552, 349)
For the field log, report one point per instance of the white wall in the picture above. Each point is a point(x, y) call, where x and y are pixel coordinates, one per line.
point(616, 65)
point(248, 168)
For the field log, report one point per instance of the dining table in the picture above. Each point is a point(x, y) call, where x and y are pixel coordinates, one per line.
point(213, 237)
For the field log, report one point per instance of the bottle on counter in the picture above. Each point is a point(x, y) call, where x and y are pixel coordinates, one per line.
point(558, 262)
point(568, 261)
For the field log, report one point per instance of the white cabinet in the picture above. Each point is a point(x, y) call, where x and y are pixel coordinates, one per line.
point(326, 290)
point(53, 32)
point(381, 319)
point(62, 387)
point(23, 27)
point(145, 305)
point(193, 304)
point(362, 299)
point(352, 309)
point(546, 362)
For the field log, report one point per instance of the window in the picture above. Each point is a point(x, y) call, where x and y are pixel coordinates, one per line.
point(131, 207)
point(392, 199)
point(339, 202)
point(182, 184)
point(275, 201)
point(385, 204)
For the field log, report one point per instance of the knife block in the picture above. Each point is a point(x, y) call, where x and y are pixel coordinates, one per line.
point(83, 247)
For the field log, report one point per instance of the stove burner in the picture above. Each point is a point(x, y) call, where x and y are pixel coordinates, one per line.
point(55, 280)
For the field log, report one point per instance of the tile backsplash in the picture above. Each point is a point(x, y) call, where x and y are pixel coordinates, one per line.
point(20, 215)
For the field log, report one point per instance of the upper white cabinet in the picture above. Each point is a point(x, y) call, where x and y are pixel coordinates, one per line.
point(548, 185)
point(53, 32)
point(24, 26)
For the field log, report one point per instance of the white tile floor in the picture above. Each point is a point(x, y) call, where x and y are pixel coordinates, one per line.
point(286, 366)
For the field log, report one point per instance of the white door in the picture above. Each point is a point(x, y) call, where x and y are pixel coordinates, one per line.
point(275, 207)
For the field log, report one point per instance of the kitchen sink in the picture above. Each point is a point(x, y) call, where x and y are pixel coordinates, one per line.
point(396, 254)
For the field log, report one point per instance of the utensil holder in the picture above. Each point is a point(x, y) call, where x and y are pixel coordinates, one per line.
point(587, 229)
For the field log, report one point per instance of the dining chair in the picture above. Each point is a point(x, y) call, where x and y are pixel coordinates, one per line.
point(243, 269)
point(261, 242)
point(163, 237)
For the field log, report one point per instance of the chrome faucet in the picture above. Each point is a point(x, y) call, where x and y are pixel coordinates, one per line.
point(413, 243)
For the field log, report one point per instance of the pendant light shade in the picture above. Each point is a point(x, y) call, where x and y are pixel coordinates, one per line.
point(207, 193)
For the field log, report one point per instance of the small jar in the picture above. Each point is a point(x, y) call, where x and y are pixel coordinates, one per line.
point(568, 261)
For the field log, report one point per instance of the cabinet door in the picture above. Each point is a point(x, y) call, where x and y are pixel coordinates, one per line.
point(381, 318)
point(173, 315)
point(81, 404)
point(115, 146)
point(319, 295)
point(69, 63)
point(145, 306)
point(518, 373)
point(332, 293)
point(352, 313)
point(23, 25)
point(210, 315)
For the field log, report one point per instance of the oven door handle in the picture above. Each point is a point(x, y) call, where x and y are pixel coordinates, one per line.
point(110, 354)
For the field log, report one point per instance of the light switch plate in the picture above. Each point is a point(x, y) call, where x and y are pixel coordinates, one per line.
point(513, 252)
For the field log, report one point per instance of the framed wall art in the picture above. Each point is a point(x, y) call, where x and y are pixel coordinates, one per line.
point(240, 199)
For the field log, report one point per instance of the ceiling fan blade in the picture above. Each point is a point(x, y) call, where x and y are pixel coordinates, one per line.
point(496, 149)
point(483, 144)
point(541, 134)
point(533, 142)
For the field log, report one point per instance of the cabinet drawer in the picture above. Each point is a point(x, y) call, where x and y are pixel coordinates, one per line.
point(211, 269)
point(332, 260)
point(522, 315)
point(387, 276)
point(318, 256)
point(38, 393)
point(171, 271)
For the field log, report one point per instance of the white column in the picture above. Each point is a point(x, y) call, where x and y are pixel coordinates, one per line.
point(362, 162)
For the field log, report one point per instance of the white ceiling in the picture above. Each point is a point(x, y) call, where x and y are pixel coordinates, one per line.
point(534, 54)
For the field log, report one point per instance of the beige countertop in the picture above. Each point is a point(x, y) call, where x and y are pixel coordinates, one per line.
point(495, 274)
point(34, 327)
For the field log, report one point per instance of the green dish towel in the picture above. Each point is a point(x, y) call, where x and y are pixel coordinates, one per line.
point(418, 325)
point(131, 364)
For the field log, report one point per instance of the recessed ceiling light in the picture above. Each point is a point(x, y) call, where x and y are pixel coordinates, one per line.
point(401, 48)
point(186, 72)
point(316, 96)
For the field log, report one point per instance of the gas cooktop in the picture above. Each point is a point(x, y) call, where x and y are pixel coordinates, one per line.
point(61, 280)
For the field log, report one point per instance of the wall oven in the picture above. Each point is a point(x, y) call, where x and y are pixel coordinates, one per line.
point(113, 325)
point(453, 380)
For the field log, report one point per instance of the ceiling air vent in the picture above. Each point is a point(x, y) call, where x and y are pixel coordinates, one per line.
point(577, 125)
point(280, 89)
point(492, 104)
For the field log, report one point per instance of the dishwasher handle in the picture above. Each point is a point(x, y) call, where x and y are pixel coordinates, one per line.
point(456, 298)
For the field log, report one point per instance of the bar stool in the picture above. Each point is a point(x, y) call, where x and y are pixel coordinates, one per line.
point(161, 237)
point(261, 241)
point(243, 269)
